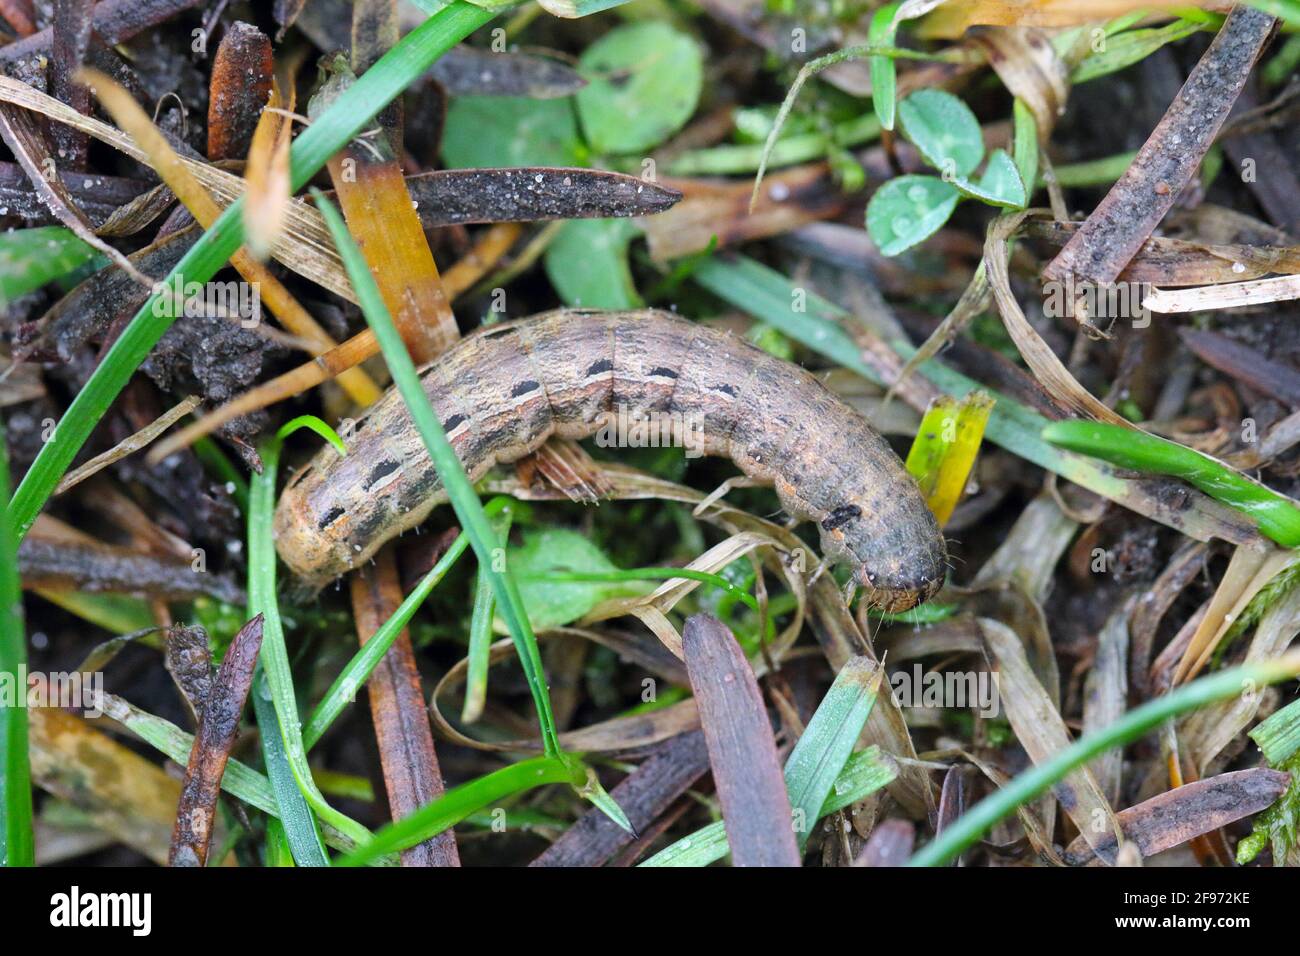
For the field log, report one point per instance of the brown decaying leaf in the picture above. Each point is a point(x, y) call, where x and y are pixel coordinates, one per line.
point(1027, 64)
point(71, 30)
point(645, 794)
point(890, 844)
point(240, 87)
point(189, 662)
point(1186, 564)
point(1139, 200)
point(742, 751)
point(412, 776)
point(951, 20)
point(1176, 816)
point(129, 445)
point(20, 15)
point(1262, 374)
point(1179, 262)
point(218, 727)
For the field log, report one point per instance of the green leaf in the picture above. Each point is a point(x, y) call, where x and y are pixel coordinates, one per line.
point(587, 264)
point(944, 129)
point(16, 842)
point(999, 185)
point(884, 76)
point(560, 551)
point(1131, 47)
point(643, 83)
point(909, 209)
point(483, 132)
point(29, 258)
point(1025, 144)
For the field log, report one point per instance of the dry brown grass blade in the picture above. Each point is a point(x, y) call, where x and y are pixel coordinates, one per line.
point(974, 300)
point(953, 19)
point(1026, 62)
point(267, 174)
point(218, 727)
point(1208, 733)
point(1233, 295)
point(174, 172)
point(129, 445)
point(1179, 815)
point(1250, 569)
point(1041, 731)
point(1105, 697)
point(742, 751)
point(1051, 373)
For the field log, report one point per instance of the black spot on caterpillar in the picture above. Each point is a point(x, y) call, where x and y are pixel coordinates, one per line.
point(503, 392)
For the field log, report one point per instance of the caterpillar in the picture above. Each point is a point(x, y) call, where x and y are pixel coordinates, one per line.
point(503, 391)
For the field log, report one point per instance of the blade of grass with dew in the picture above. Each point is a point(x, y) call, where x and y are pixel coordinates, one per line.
point(767, 294)
point(275, 655)
point(827, 741)
point(358, 670)
point(1278, 736)
point(1278, 516)
point(971, 825)
point(298, 826)
point(347, 117)
point(16, 842)
point(459, 802)
point(480, 635)
point(464, 500)
point(864, 773)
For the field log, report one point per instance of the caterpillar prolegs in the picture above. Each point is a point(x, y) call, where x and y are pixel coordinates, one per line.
point(502, 392)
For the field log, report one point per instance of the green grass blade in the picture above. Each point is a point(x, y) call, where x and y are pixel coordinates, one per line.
point(274, 656)
point(827, 741)
point(459, 802)
point(367, 658)
point(1277, 515)
point(463, 497)
point(971, 825)
point(348, 115)
point(1278, 736)
point(16, 844)
point(298, 824)
point(29, 258)
point(480, 634)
